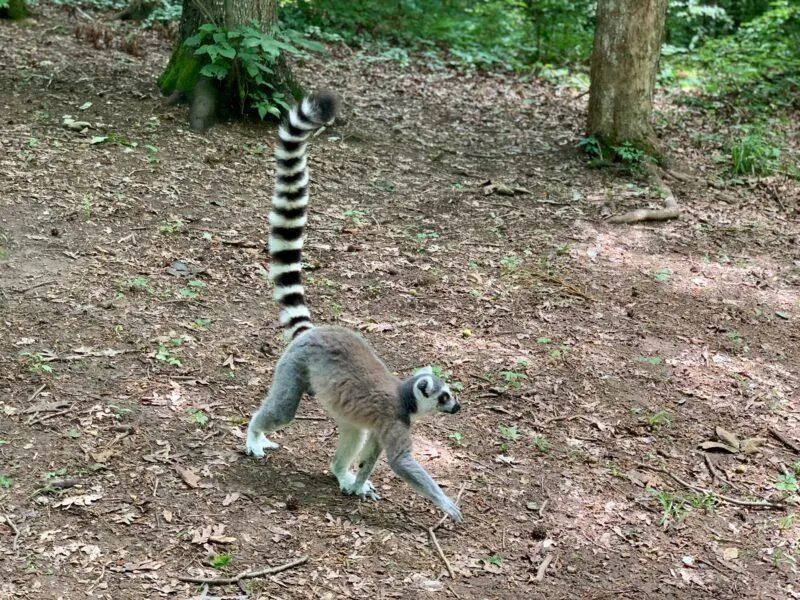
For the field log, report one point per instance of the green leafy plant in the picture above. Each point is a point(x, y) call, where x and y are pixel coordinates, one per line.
point(164, 354)
point(510, 262)
point(140, 283)
point(6, 482)
point(509, 432)
point(541, 443)
point(355, 216)
point(495, 559)
point(222, 560)
point(513, 379)
point(662, 418)
point(37, 363)
point(192, 289)
point(247, 58)
point(591, 146)
point(787, 483)
point(199, 417)
point(752, 154)
point(456, 438)
point(171, 226)
point(447, 377)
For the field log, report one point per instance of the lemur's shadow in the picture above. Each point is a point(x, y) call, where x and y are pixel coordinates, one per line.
point(275, 478)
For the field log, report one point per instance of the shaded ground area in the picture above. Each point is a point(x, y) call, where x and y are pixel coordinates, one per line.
point(138, 335)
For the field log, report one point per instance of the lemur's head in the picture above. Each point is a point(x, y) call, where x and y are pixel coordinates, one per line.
point(433, 394)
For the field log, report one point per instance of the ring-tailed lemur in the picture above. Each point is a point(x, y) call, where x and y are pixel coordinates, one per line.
point(372, 407)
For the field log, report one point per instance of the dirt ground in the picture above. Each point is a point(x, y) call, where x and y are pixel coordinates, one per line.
point(452, 221)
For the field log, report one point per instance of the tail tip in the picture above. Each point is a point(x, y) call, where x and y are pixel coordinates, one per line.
point(325, 104)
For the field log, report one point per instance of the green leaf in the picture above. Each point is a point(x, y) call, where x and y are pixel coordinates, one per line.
point(194, 40)
point(219, 71)
point(98, 139)
point(782, 315)
point(227, 51)
point(663, 274)
point(210, 49)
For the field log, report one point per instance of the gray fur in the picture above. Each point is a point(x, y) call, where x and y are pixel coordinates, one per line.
point(339, 368)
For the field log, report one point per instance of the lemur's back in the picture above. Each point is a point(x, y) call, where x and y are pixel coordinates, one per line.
point(346, 376)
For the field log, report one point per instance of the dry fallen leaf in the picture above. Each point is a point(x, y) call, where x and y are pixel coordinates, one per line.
point(84, 500)
point(730, 553)
point(189, 476)
point(231, 498)
point(727, 437)
point(710, 446)
point(752, 445)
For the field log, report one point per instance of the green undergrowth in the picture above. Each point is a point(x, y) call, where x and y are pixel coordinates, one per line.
point(505, 34)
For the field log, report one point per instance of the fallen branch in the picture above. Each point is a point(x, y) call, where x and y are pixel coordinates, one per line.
point(540, 572)
point(782, 438)
point(671, 209)
point(10, 523)
point(435, 542)
point(43, 418)
point(245, 574)
point(38, 391)
point(701, 490)
point(715, 471)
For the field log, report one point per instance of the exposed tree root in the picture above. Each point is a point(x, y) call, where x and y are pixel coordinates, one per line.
point(671, 209)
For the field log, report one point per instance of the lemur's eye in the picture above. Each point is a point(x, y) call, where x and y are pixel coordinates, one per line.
point(444, 398)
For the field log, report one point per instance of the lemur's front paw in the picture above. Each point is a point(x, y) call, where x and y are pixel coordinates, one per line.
point(258, 442)
point(366, 490)
point(452, 510)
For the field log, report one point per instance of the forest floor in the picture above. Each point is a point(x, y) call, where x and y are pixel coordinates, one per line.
point(452, 221)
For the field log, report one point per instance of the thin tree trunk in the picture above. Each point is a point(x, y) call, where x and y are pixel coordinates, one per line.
point(627, 44)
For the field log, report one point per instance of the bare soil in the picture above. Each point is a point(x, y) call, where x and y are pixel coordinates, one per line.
point(452, 221)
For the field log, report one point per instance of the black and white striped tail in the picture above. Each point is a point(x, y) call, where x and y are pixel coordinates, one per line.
point(289, 205)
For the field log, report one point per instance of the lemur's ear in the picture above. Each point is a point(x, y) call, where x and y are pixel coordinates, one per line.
point(425, 385)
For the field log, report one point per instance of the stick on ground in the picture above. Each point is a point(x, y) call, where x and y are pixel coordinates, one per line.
point(701, 490)
point(435, 542)
point(784, 440)
point(245, 574)
point(540, 572)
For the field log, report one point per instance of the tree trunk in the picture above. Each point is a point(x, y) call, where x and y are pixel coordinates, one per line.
point(627, 44)
point(210, 98)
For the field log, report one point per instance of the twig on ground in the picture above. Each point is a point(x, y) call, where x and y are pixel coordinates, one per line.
point(301, 418)
point(715, 472)
point(44, 418)
point(10, 523)
point(34, 286)
point(783, 439)
point(558, 281)
point(701, 490)
point(671, 209)
point(540, 572)
point(542, 507)
point(38, 391)
point(245, 574)
point(435, 542)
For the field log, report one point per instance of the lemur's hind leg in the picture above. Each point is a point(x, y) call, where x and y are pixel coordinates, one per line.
point(367, 458)
point(278, 408)
point(350, 440)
